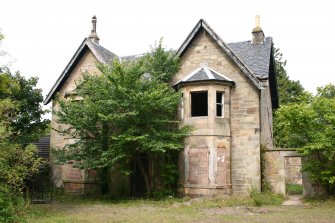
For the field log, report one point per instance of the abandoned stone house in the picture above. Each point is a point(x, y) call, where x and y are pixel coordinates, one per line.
point(229, 92)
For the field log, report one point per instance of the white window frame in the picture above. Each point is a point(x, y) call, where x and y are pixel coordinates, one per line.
point(221, 104)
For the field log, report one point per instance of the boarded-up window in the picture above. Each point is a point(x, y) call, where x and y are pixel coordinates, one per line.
point(181, 167)
point(73, 173)
point(221, 160)
point(198, 165)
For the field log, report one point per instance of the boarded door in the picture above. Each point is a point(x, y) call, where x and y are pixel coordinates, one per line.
point(198, 165)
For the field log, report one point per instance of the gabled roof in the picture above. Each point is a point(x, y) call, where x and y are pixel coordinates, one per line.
point(102, 54)
point(203, 74)
point(253, 59)
point(131, 57)
point(254, 56)
point(203, 25)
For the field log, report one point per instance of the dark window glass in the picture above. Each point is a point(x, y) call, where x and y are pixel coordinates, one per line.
point(219, 104)
point(199, 103)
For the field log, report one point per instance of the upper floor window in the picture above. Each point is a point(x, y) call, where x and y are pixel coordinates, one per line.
point(219, 104)
point(199, 103)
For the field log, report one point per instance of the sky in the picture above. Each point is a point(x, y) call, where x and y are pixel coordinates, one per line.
point(41, 36)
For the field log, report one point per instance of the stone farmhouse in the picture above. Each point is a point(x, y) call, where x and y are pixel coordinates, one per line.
point(229, 93)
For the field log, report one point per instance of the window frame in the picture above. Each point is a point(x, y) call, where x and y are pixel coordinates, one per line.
point(182, 106)
point(221, 104)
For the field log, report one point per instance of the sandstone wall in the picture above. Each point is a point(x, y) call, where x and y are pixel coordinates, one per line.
point(74, 178)
point(281, 165)
point(243, 125)
point(266, 116)
point(293, 174)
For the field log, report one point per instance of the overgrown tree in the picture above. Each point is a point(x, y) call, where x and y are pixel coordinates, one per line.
point(290, 92)
point(28, 124)
point(128, 110)
point(310, 127)
point(20, 122)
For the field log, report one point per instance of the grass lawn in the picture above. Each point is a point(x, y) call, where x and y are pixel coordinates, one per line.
point(178, 210)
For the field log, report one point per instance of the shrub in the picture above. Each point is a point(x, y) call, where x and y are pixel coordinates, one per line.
point(12, 205)
point(265, 198)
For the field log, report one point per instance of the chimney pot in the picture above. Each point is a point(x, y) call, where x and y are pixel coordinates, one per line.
point(93, 36)
point(257, 32)
point(257, 21)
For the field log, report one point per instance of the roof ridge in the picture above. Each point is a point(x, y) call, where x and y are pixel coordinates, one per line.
point(244, 41)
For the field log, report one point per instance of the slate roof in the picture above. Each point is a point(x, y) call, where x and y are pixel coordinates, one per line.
point(203, 74)
point(131, 57)
point(255, 56)
point(253, 59)
point(101, 53)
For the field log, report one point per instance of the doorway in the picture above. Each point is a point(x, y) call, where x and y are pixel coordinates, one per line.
point(293, 175)
point(137, 178)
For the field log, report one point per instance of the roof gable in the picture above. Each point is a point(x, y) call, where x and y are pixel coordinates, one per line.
point(101, 54)
point(203, 25)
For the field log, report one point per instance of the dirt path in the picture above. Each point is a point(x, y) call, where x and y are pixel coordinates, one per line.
point(294, 200)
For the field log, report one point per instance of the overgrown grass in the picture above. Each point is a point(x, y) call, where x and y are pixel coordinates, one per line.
point(265, 198)
point(294, 189)
point(226, 209)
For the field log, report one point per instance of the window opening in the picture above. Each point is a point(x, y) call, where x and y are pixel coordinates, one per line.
point(219, 104)
point(199, 103)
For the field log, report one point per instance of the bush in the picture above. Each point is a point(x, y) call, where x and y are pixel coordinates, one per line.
point(162, 194)
point(12, 205)
point(265, 198)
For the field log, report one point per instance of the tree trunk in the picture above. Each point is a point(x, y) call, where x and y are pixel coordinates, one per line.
point(145, 175)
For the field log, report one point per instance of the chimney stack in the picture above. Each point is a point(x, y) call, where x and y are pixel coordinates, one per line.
point(93, 36)
point(257, 32)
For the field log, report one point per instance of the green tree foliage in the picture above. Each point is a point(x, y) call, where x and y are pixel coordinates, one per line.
point(17, 163)
point(289, 91)
point(160, 64)
point(127, 110)
point(28, 124)
point(310, 127)
point(20, 122)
